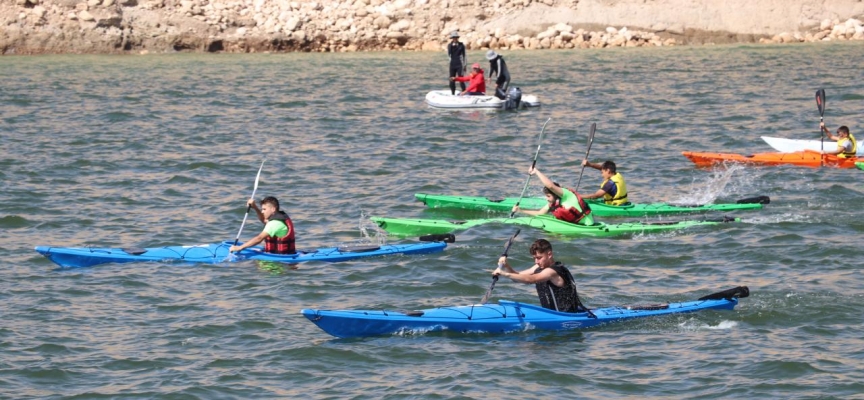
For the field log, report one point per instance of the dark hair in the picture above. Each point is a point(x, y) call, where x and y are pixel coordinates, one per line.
point(609, 166)
point(540, 246)
point(844, 129)
point(549, 191)
point(271, 200)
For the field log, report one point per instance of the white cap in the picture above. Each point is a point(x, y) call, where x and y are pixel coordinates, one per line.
point(491, 54)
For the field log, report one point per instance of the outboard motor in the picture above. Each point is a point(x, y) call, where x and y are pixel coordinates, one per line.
point(499, 93)
point(514, 99)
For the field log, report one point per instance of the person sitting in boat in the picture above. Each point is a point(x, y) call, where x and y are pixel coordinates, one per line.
point(476, 82)
point(554, 282)
point(847, 146)
point(564, 204)
point(498, 67)
point(613, 189)
point(278, 233)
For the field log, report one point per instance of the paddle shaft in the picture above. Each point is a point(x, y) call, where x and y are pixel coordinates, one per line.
point(249, 207)
point(533, 164)
point(495, 278)
point(820, 104)
point(590, 141)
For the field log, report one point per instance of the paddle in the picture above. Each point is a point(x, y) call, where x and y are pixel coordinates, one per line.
point(736, 292)
point(249, 207)
point(590, 140)
point(755, 200)
point(820, 104)
point(495, 278)
point(533, 164)
point(441, 237)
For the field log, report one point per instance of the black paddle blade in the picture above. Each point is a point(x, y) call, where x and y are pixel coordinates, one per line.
point(820, 101)
point(738, 292)
point(486, 296)
point(135, 251)
point(444, 237)
point(509, 243)
point(723, 219)
point(755, 200)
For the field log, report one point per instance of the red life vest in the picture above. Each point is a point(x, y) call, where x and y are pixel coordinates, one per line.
point(285, 244)
point(571, 214)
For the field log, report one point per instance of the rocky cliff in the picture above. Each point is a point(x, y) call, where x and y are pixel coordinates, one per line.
point(141, 26)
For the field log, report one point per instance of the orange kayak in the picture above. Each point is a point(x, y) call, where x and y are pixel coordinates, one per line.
point(806, 158)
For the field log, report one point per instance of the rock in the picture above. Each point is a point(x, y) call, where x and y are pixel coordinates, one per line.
point(382, 22)
point(291, 25)
point(85, 16)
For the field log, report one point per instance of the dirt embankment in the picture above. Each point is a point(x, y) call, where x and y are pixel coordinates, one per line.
point(142, 26)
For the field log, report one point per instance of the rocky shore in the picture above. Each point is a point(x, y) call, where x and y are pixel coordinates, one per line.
point(159, 26)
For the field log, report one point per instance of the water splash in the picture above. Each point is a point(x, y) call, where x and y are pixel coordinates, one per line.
point(722, 181)
point(365, 225)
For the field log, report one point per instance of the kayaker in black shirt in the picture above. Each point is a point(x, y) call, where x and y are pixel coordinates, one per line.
point(555, 285)
point(458, 62)
point(499, 67)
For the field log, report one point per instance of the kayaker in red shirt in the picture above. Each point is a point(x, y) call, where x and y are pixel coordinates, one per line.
point(477, 83)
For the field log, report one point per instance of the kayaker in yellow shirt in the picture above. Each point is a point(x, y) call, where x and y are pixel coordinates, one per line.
point(847, 146)
point(613, 189)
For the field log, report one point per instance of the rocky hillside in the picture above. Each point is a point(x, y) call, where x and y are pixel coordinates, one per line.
point(142, 26)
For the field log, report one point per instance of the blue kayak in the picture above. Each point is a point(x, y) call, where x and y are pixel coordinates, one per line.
point(218, 252)
point(506, 316)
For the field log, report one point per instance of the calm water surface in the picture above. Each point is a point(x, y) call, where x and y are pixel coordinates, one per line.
point(163, 149)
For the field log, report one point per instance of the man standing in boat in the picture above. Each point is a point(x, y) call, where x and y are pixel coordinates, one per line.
point(458, 60)
point(555, 285)
point(847, 146)
point(613, 189)
point(564, 204)
point(278, 233)
point(499, 67)
point(476, 82)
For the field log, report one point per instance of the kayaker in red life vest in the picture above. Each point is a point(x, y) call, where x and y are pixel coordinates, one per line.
point(278, 233)
point(556, 287)
point(476, 82)
point(847, 146)
point(564, 204)
point(613, 189)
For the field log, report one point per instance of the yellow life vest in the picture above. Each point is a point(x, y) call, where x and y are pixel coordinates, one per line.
point(621, 196)
point(850, 154)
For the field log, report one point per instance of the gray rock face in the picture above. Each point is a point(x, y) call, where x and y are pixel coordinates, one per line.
point(143, 26)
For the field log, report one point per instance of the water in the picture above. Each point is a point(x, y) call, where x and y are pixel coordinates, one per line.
point(161, 150)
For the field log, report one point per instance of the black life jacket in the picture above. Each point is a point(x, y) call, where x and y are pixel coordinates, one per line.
point(565, 299)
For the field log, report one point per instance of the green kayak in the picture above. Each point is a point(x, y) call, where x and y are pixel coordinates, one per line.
point(598, 208)
point(859, 165)
point(414, 227)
